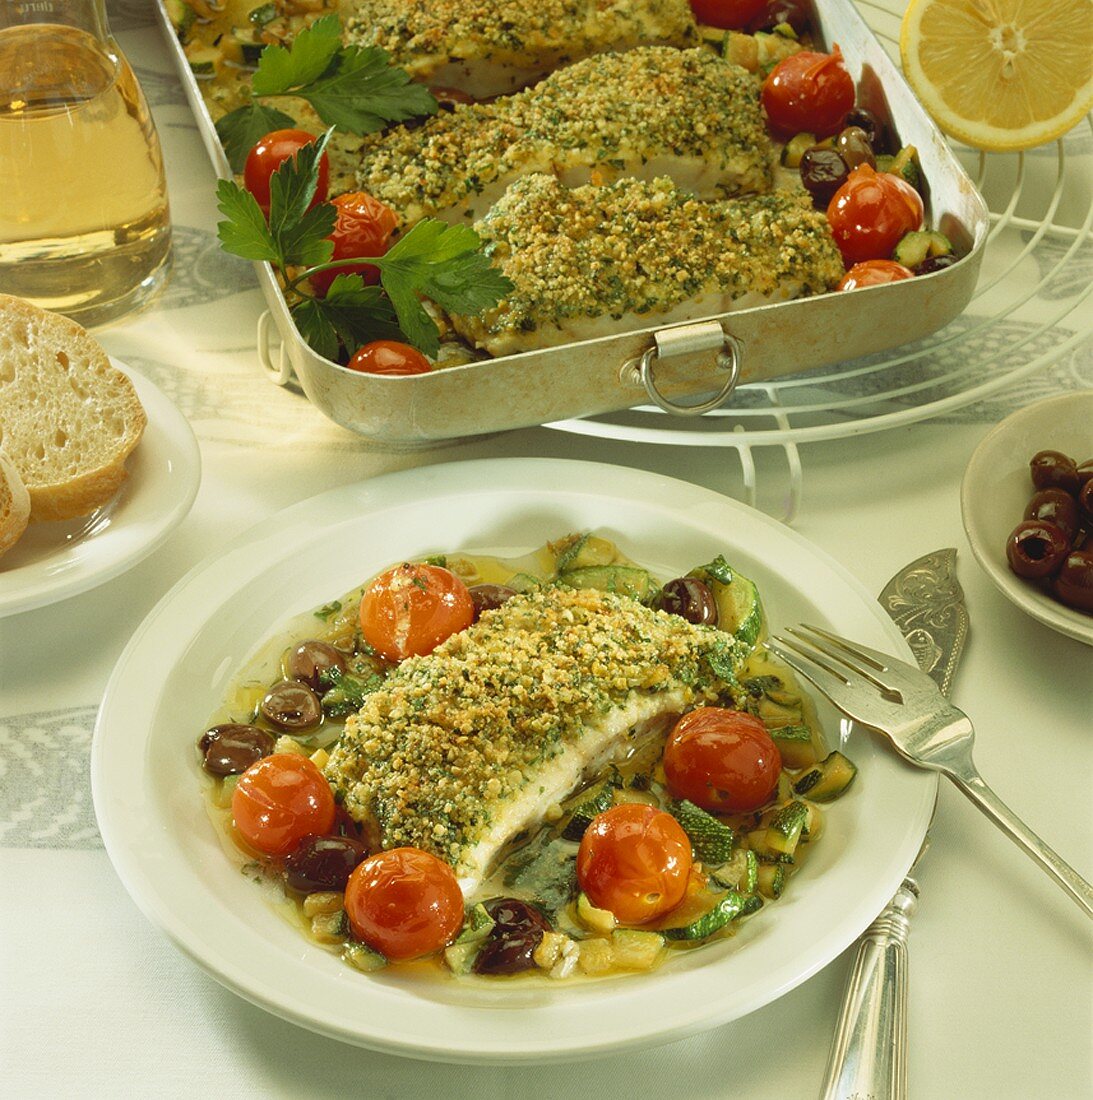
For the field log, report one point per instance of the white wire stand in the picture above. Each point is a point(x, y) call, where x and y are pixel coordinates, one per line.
point(1029, 311)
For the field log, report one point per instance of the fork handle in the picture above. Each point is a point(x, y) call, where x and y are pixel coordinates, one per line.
point(972, 784)
point(869, 1049)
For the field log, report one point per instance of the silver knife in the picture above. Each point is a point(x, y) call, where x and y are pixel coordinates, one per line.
point(868, 1059)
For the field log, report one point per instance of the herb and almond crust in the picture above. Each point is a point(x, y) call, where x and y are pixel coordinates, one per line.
point(463, 748)
point(633, 252)
point(476, 36)
point(651, 111)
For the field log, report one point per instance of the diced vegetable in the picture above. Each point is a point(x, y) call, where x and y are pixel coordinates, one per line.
point(827, 780)
point(182, 17)
point(784, 831)
point(262, 15)
point(916, 247)
point(795, 149)
point(583, 551)
point(477, 925)
point(795, 745)
point(740, 873)
point(726, 909)
point(363, 957)
point(595, 920)
point(626, 580)
point(711, 839)
point(598, 799)
point(738, 608)
point(632, 949)
point(524, 582)
point(771, 879)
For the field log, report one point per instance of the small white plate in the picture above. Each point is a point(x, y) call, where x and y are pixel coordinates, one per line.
point(148, 792)
point(53, 561)
point(997, 487)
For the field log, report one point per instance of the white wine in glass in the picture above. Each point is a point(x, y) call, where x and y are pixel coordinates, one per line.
point(84, 222)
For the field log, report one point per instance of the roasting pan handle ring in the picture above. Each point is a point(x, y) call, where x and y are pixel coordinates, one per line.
point(728, 359)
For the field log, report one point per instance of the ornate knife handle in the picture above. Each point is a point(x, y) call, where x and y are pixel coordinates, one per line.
point(868, 1059)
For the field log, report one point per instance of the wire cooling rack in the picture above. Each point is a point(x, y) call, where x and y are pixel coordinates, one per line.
point(1030, 309)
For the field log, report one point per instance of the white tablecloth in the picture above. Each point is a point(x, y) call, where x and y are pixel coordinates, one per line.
point(95, 1002)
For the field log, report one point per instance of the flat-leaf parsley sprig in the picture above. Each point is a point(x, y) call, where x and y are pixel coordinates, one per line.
point(432, 259)
point(355, 88)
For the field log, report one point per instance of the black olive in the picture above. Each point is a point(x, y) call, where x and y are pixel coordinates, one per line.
point(517, 931)
point(935, 263)
point(1036, 549)
point(309, 660)
point(863, 118)
point(231, 749)
point(852, 144)
point(488, 597)
point(794, 12)
point(690, 599)
point(1085, 500)
point(1053, 469)
point(323, 862)
point(1055, 506)
point(1085, 471)
point(1074, 584)
point(291, 705)
point(823, 172)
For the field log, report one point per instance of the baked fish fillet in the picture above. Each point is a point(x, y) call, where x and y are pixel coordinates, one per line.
point(596, 261)
point(494, 47)
point(464, 748)
point(654, 111)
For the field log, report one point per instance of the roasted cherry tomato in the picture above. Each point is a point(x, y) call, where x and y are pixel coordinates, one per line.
point(870, 214)
point(808, 93)
point(874, 273)
point(404, 903)
point(731, 15)
point(270, 153)
point(279, 801)
point(634, 860)
point(389, 357)
point(362, 227)
point(722, 760)
point(411, 609)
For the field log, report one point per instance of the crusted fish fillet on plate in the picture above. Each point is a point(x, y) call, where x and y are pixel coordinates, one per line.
point(654, 111)
point(462, 749)
point(594, 261)
point(494, 47)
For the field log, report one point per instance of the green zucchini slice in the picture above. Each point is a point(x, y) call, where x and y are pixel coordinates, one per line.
point(795, 745)
point(740, 873)
point(710, 838)
point(828, 780)
point(784, 830)
point(599, 798)
point(626, 580)
point(727, 908)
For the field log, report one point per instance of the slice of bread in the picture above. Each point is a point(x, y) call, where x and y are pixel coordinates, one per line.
point(68, 418)
point(14, 504)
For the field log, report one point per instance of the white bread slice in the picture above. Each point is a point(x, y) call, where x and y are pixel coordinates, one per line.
point(14, 504)
point(68, 418)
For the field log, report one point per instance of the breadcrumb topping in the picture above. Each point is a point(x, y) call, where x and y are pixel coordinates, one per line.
point(452, 735)
point(636, 247)
point(421, 35)
point(617, 111)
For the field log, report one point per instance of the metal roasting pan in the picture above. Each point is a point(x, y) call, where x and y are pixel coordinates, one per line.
point(658, 364)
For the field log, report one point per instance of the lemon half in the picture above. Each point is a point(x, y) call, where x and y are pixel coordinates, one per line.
point(1000, 75)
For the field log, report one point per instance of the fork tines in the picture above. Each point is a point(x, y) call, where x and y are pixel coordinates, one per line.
point(838, 666)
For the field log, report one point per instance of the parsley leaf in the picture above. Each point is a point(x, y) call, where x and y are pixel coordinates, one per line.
point(245, 233)
point(355, 88)
point(363, 92)
point(299, 233)
point(351, 313)
point(242, 129)
point(306, 60)
point(443, 262)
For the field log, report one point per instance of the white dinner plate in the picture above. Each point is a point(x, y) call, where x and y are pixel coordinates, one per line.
point(997, 486)
point(148, 791)
point(53, 561)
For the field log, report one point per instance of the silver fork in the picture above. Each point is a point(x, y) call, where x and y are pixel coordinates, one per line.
point(904, 704)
